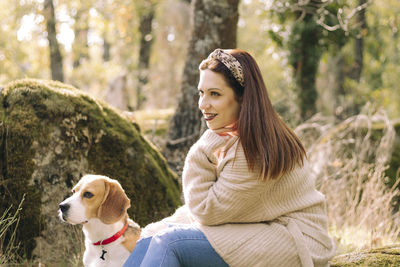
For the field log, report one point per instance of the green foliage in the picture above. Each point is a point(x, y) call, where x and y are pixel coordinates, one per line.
point(305, 53)
point(309, 37)
point(19, 141)
point(383, 55)
point(264, 30)
point(255, 25)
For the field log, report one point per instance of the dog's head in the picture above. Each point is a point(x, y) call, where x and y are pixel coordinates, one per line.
point(95, 196)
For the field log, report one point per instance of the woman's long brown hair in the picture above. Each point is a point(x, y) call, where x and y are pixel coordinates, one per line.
point(268, 143)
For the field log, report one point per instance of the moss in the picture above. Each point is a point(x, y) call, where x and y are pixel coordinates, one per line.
point(17, 168)
point(386, 256)
point(51, 134)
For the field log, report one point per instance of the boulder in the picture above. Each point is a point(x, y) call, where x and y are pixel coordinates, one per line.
point(50, 135)
point(379, 257)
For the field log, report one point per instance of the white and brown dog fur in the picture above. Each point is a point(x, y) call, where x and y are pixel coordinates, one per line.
point(100, 205)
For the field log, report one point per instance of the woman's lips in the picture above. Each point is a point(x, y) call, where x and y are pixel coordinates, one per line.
point(209, 116)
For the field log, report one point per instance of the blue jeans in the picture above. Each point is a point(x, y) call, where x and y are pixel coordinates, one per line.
point(176, 246)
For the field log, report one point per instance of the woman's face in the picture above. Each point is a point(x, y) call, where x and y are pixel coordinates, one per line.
point(217, 100)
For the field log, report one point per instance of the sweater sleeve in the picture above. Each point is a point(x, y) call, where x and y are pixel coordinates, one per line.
point(220, 192)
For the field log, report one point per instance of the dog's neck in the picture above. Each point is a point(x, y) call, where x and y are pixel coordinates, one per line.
point(95, 230)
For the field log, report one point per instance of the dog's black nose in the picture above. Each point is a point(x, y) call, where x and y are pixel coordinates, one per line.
point(64, 207)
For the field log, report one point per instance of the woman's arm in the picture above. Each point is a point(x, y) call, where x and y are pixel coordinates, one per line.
point(220, 192)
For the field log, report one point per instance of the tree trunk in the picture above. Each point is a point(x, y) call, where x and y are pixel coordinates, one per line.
point(80, 46)
point(106, 43)
point(146, 40)
point(56, 63)
point(305, 54)
point(359, 42)
point(214, 25)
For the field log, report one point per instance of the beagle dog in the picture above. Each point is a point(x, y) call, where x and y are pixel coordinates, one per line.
point(100, 205)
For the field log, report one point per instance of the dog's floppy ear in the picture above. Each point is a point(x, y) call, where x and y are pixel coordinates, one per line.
point(115, 203)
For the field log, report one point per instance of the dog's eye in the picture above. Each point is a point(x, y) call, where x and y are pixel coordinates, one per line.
point(87, 195)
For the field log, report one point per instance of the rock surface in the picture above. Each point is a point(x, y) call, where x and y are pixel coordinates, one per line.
point(50, 135)
point(386, 256)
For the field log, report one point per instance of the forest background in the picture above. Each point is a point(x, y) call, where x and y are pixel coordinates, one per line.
point(332, 69)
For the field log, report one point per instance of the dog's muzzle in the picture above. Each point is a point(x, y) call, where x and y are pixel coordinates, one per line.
point(64, 210)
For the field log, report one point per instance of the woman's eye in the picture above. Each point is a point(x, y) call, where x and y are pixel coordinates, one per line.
point(201, 93)
point(87, 195)
point(215, 94)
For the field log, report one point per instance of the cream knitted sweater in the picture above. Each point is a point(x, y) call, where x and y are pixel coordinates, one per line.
point(249, 222)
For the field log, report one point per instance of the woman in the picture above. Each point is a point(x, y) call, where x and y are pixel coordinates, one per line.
point(250, 198)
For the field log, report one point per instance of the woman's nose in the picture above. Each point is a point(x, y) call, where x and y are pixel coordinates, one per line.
point(203, 103)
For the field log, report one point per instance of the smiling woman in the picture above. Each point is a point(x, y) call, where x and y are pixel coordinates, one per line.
point(217, 101)
point(250, 199)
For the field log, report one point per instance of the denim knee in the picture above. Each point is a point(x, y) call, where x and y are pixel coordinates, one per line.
point(176, 246)
point(173, 234)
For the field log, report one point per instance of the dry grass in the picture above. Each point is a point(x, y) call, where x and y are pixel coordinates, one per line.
point(349, 159)
point(74, 257)
point(8, 248)
point(9, 224)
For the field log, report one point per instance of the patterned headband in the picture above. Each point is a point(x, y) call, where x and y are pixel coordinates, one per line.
point(230, 62)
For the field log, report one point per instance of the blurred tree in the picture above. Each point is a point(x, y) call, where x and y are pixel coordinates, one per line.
point(146, 14)
point(11, 53)
point(108, 32)
point(80, 47)
point(171, 31)
point(126, 33)
point(106, 41)
point(380, 77)
point(350, 64)
point(56, 60)
point(305, 54)
point(114, 39)
point(315, 26)
point(359, 41)
point(214, 24)
point(22, 41)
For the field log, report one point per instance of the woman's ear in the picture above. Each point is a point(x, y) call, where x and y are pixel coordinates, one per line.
point(115, 203)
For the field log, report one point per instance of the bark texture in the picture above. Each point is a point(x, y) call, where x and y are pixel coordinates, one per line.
point(359, 42)
point(56, 60)
point(146, 41)
point(214, 25)
point(305, 54)
point(80, 46)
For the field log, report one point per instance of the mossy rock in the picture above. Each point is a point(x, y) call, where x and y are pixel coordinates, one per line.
point(50, 135)
point(380, 257)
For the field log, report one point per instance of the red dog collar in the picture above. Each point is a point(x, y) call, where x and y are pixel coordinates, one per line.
point(113, 238)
